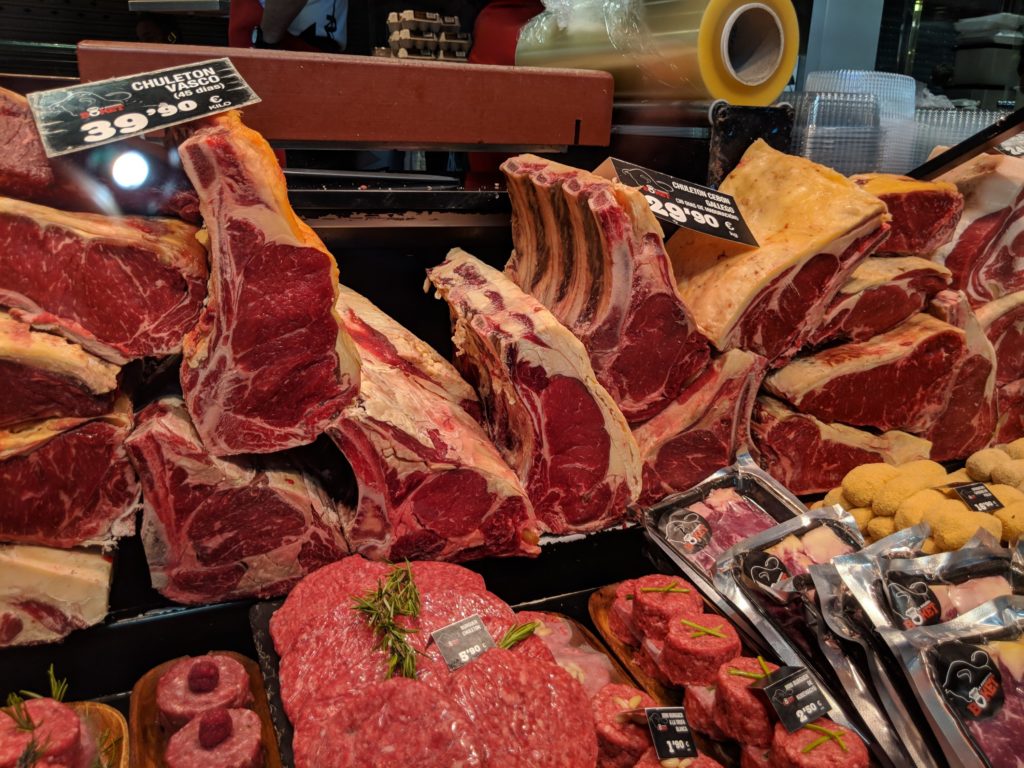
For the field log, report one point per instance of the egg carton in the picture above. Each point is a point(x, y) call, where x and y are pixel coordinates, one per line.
point(414, 21)
point(408, 40)
point(455, 41)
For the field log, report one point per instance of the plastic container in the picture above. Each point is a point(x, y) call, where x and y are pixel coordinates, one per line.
point(991, 23)
point(948, 127)
point(895, 93)
point(839, 130)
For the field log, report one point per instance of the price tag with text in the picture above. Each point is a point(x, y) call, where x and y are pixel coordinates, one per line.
point(463, 641)
point(978, 497)
point(682, 203)
point(92, 114)
point(795, 697)
point(670, 732)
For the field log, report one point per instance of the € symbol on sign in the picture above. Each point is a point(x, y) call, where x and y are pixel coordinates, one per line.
point(215, 99)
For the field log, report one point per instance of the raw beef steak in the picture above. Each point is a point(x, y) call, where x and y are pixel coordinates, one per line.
point(900, 379)
point(81, 181)
point(216, 529)
point(68, 482)
point(47, 593)
point(121, 287)
point(986, 254)
point(591, 251)
point(1010, 406)
point(431, 482)
point(809, 456)
point(701, 430)
point(1003, 323)
point(880, 294)
point(268, 365)
point(814, 227)
point(924, 213)
point(44, 376)
point(551, 419)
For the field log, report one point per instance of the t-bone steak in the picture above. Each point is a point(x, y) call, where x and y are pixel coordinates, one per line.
point(701, 430)
point(549, 416)
point(880, 294)
point(123, 288)
point(44, 376)
point(986, 254)
point(813, 227)
point(268, 366)
point(431, 482)
point(809, 456)
point(924, 213)
point(67, 482)
point(216, 529)
point(591, 251)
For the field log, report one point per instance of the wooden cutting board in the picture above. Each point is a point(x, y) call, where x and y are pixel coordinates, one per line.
point(148, 738)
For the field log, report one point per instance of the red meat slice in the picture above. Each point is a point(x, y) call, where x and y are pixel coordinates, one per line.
point(924, 213)
point(267, 366)
point(1010, 399)
point(620, 739)
point(241, 749)
point(1003, 323)
point(511, 698)
point(178, 703)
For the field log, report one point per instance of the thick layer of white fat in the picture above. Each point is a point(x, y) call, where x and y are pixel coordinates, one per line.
point(37, 434)
point(895, 446)
point(989, 313)
point(687, 409)
point(54, 354)
point(811, 372)
point(796, 210)
point(559, 353)
point(876, 271)
point(75, 581)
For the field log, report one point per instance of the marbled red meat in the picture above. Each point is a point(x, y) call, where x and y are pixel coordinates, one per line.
point(180, 696)
point(740, 713)
point(659, 599)
point(240, 748)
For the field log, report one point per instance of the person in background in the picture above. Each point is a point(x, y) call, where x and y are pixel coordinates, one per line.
point(297, 25)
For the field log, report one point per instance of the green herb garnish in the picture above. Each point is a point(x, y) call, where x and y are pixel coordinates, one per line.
point(517, 633)
point(106, 750)
point(394, 597)
point(701, 630)
point(58, 688)
point(672, 587)
point(827, 736)
point(31, 756)
point(17, 711)
point(752, 675)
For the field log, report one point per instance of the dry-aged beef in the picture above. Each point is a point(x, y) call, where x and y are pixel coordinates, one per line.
point(73, 182)
point(216, 529)
point(880, 294)
point(986, 254)
point(527, 713)
point(551, 419)
point(43, 376)
point(396, 722)
point(591, 252)
point(268, 366)
point(1003, 321)
point(924, 213)
point(431, 482)
point(68, 482)
point(814, 227)
point(121, 287)
point(809, 456)
point(701, 430)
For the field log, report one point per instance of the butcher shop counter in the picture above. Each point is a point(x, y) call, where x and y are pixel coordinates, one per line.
point(144, 629)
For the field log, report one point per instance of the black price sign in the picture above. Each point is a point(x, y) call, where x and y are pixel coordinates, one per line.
point(685, 204)
point(462, 641)
point(794, 696)
point(670, 732)
point(93, 114)
point(978, 497)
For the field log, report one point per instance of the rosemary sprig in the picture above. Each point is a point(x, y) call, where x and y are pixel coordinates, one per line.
point(701, 630)
point(672, 587)
point(106, 750)
point(58, 688)
point(394, 597)
point(17, 711)
point(32, 755)
point(827, 736)
point(517, 633)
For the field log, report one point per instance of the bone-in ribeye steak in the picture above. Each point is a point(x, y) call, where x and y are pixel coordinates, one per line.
point(814, 227)
point(121, 287)
point(68, 482)
point(1003, 321)
point(268, 366)
point(591, 252)
point(880, 294)
point(986, 254)
point(809, 456)
point(701, 430)
point(44, 376)
point(551, 419)
point(216, 529)
point(924, 213)
point(431, 482)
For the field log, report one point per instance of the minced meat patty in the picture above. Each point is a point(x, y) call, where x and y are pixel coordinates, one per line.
point(620, 739)
point(660, 598)
point(699, 701)
point(195, 684)
point(788, 748)
point(650, 760)
point(620, 614)
point(740, 713)
point(235, 744)
point(58, 732)
point(695, 647)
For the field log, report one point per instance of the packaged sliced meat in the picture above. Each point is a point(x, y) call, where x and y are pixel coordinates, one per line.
point(968, 676)
point(820, 744)
point(57, 733)
point(740, 713)
point(621, 739)
point(696, 646)
point(659, 599)
point(218, 738)
point(196, 684)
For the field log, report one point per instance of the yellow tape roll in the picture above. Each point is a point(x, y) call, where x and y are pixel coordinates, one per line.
point(742, 51)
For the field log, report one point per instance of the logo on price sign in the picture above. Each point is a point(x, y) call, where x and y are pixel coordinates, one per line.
point(93, 114)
